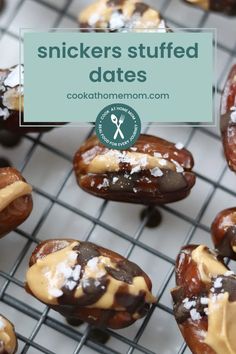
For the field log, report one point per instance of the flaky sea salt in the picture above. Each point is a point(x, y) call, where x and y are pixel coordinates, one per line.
point(117, 20)
point(162, 27)
point(13, 79)
point(163, 162)
point(76, 272)
point(157, 155)
point(115, 179)
point(206, 310)
point(204, 300)
point(93, 19)
point(233, 117)
point(143, 161)
point(179, 146)
point(93, 266)
point(64, 269)
point(156, 172)
point(189, 304)
point(54, 292)
point(195, 315)
point(4, 113)
point(135, 169)
point(70, 284)
point(218, 283)
point(178, 167)
point(104, 184)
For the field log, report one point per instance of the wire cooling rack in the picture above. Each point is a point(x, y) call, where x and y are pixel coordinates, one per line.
point(61, 209)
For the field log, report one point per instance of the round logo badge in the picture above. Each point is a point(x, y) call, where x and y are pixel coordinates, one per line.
point(118, 126)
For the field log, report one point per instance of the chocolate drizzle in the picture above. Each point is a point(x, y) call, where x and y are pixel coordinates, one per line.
point(115, 2)
point(125, 271)
point(86, 251)
point(228, 285)
point(140, 8)
point(226, 6)
point(95, 288)
point(181, 308)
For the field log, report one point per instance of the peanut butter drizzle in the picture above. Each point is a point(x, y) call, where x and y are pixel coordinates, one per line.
point(111, 162)
point(208, 265)
point(221, 324)
point(204, 4)
point(41, 283)
point(45, 279)
point(13, 99)
point(7, 335)
point(99, 14)
point(12, 192)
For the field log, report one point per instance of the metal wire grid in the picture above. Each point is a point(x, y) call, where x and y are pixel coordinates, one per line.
point(9, 278)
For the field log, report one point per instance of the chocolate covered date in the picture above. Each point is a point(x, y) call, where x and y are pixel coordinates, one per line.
point(15, 200)
point(227, 7)
point(115, 15)
point(86, 282)
point(8, 340)
point(205, 301)
point(228, 119)
point(223, 231)
point(153, 171)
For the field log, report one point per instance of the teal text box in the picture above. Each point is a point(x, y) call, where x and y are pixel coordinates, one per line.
point(176, 86)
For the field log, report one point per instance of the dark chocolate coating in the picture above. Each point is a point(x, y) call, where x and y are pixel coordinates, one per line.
point(19, 210)
point(227, 126)
point(223, 232)
point(141, 187)
point(75, 308)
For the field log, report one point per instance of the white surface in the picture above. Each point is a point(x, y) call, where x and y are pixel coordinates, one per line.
point(47, 171)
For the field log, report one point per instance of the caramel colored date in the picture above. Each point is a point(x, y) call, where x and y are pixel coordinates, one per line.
point(205, 301)
point(153, 171)
point(228, 119)
point(227, 7)
point(115, 15)
point(8, 340)
point(15, 200)
point(223, 231)
point(86, 282)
